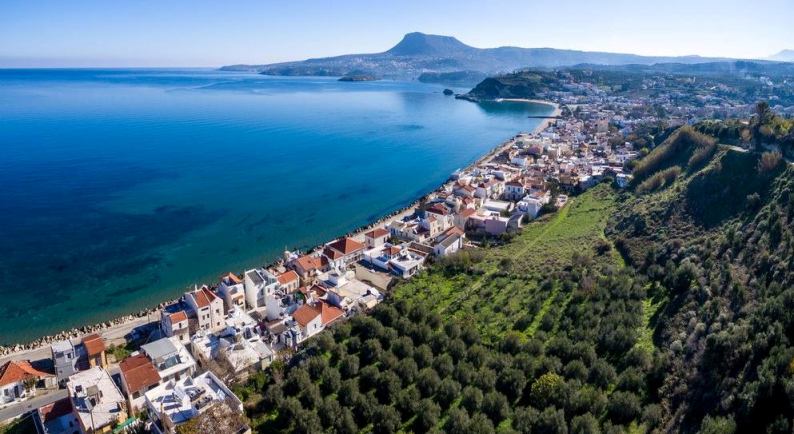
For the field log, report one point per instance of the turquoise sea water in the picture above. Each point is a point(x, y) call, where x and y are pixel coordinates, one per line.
point(120, 188)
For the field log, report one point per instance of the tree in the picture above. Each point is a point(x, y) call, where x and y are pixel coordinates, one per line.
point(389, 385)
point(407, 370)
point(427, 415)
point(623, 407)
point(585, 424)
point(480, 423)
point(547, 390)
point(386, 420)
point(427, 382)
point(512, 382)
point(346, 423)
point(368, 378)
point(448, 391)
point(407, 402)
point(717, 425)
point(457, 421)
point(443, 365)
point(524, 419)
point(349, 366)
point(331, 380)
point(471, 399)
point(551, 421)
point(370, 351)
point(495, 405)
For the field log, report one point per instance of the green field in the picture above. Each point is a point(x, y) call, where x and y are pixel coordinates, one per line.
point(503, 289)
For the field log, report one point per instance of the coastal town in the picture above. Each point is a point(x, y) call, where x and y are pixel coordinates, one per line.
point(177, 366)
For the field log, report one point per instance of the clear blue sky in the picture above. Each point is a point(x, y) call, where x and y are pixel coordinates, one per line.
point(212, 33)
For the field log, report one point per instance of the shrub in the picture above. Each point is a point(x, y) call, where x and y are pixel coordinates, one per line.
point(659, 180)
point(701, 156)
point(769, 161)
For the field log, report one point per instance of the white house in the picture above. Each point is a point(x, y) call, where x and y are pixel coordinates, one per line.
point(96, 401)
point(232, 291)
point(207, 308)
point(170, 358)
point(449, 242)
point(175, 322)
point(19, 380)
point(376, 237)
point(177, 401)
point(259, 285)
point(314, 319)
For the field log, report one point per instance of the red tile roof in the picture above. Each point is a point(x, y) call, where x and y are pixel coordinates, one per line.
point(288, 277)
point(332, 254)
point(19, 370)
point(330, 313)
point(309, 263)
point(178, 317)
point(59, 408)
point(139, 373)
point(204, 297)
point(346, 245)
point(305, 314)
point(377, 233)
point(94, 344)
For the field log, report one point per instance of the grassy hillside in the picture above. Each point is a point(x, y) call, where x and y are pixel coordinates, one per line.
point(665, 309)
point(540, 334)
point(506, 288)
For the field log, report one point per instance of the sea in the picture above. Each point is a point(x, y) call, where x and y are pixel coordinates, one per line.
point(123, 188)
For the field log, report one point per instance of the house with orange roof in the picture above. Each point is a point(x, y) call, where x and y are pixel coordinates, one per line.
point(207, 308)
point(174, 322)
point(309, 266)
point(288, 281)
point(344, 251)
point(376, 237)
point(19, 380)
point(95, 353)
point(138, 375)
point(312, 319)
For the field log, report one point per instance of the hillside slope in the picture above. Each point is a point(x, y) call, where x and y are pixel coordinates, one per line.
point(665, 309)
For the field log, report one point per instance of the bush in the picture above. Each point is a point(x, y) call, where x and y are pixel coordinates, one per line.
point(623, 407)
point(701, 156)
point(769, 161)
point(659, 179)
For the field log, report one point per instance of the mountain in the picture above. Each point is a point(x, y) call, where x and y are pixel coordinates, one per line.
point(783, 56)
point(419, 53)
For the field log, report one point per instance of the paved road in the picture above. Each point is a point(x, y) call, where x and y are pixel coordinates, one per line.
point(112, 335)
point(32, 404)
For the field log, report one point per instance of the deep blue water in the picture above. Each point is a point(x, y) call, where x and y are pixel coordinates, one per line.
point(120, 188)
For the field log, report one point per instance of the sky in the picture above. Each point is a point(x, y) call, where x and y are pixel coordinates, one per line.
point(146, 33)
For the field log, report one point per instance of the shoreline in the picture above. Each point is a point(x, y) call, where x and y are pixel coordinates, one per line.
point(113, 330)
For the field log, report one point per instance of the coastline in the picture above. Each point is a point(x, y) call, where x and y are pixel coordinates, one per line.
point(114, 330)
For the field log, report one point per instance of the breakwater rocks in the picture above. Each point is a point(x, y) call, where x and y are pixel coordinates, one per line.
point(78, 332)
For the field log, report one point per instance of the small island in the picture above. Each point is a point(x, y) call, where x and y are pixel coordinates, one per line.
point(448, 92)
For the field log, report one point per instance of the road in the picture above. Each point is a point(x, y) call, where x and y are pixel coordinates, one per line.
point(32, 404)
point(112, 335)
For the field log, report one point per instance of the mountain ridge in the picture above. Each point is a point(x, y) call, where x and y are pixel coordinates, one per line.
point(419, 53)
